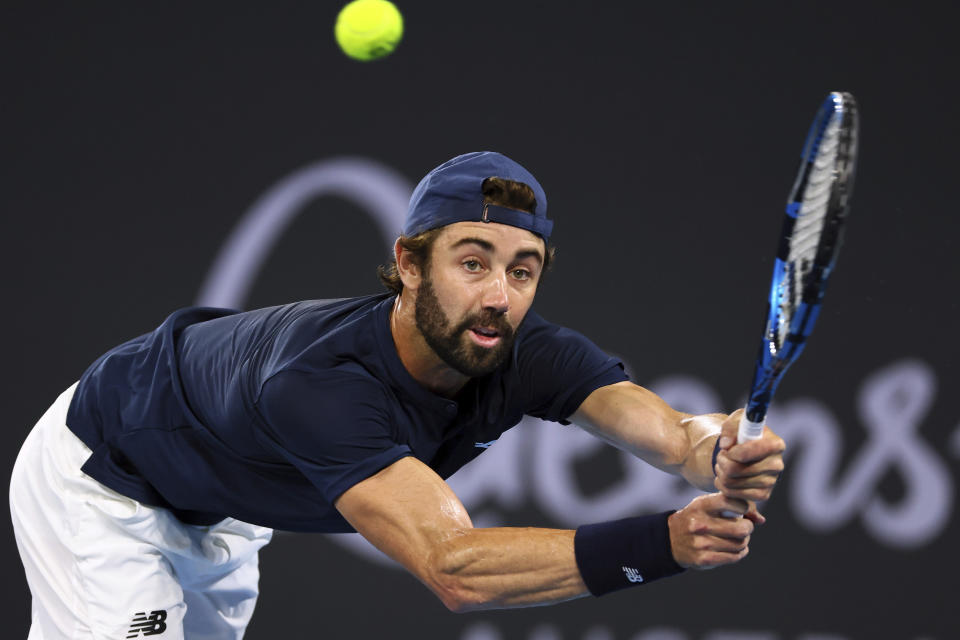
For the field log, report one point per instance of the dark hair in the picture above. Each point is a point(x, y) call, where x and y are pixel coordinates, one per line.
point(505, 193)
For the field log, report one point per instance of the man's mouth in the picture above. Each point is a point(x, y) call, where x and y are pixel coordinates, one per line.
point(485, 336)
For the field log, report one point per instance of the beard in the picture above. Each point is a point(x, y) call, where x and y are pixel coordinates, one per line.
point(452, 343)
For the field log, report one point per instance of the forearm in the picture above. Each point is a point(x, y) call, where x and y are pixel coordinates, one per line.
point(636, 420)
point(505, 567)
point(640, 422)
point(511, 567)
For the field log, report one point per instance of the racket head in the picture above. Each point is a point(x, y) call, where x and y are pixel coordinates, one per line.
point(810, 240)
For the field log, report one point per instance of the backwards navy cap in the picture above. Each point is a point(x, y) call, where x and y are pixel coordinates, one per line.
point(452, 193)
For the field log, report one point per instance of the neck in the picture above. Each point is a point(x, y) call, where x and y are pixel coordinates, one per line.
point(420, 360)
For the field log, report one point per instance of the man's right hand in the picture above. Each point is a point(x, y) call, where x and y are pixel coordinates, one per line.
point(702, 538)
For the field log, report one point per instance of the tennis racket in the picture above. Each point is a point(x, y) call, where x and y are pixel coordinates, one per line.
point(812, 232)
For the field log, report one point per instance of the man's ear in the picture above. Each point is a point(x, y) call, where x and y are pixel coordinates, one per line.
point(411, 272)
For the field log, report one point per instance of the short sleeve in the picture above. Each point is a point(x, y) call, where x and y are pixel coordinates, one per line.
point(560, 367)
point(335, 429)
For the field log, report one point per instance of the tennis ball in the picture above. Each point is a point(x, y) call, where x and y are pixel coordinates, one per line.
point(368, 29)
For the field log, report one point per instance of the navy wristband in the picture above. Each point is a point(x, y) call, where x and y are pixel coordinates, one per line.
point(624, 553)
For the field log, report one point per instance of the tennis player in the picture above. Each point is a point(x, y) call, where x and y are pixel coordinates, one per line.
point(141, 498)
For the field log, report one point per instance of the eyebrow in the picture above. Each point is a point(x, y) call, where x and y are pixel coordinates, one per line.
point(487, 246)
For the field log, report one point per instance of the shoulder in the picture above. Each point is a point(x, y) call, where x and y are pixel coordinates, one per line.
point(343, 386)
point(535, 329)
point(538, 336)
point(319, 343)
point(559, 367)
point(307, 408)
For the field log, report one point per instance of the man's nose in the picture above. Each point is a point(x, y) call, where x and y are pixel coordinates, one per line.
point(495, 295)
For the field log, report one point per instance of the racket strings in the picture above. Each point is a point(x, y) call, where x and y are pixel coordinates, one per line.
point(808, 229)
point(816, 195)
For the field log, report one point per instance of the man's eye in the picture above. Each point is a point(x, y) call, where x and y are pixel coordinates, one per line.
point(521, 274)
point(471, 265)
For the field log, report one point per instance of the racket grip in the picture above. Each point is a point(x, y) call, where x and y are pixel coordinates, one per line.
point(749, 430)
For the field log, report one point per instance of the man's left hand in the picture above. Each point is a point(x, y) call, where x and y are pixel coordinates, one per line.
point(749, 470)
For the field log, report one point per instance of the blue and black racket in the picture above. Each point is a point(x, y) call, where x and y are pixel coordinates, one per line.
point(812, 232)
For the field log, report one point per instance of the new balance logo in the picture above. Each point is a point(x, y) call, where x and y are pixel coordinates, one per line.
point(632, 574)
point(484, 445)
point(151, 625)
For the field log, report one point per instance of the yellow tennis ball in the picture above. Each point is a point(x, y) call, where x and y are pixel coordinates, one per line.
point(368, 29)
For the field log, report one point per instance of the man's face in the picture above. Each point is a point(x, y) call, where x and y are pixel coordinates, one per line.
point(476, 290)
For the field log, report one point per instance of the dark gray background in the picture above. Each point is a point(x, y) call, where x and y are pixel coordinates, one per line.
point(666, 136)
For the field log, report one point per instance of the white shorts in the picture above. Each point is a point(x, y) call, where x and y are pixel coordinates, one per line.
point(101, 565)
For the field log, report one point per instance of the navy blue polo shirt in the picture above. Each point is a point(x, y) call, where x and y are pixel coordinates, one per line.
point(268, 416)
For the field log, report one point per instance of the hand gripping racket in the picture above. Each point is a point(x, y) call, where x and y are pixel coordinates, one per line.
point(809, 243)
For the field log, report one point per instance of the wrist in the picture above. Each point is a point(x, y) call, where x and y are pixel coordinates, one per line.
point(625, 553)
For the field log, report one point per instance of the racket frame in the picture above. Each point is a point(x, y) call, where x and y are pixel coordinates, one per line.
point(776, 355)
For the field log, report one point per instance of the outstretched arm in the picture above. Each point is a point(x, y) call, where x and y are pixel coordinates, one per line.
point(412, 515)
point(637, 420)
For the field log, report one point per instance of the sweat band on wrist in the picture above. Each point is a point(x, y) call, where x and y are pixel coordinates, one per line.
point(624, 553)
